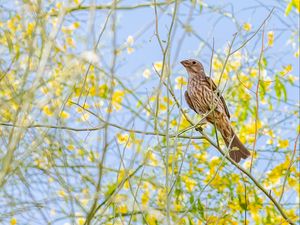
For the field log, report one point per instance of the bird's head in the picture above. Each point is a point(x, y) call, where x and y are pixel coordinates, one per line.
point(193, 66)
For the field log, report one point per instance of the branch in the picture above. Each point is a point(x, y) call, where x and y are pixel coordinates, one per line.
point(110, 6)
point(277, 205)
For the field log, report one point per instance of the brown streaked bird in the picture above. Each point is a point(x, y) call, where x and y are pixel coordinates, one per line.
point(203, 97)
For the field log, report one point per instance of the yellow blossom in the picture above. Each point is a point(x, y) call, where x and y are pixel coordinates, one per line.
point(151, 158)
point(146, 73)
point(122, 176)
point(158, 66)
point(162, 107)
point(178, 205)
point(80, 221)
point(217, 64)
point(183, 123)
point(161, 197)
point(202, 156)
point(64, 115)
point(292, 78)
point(122, 138)
point(151, 219)
point(122, 209)
point(286, 69)
point(117, 99)
point(30, 28)
point(173, 123)
point(70, 147)
point(189, 183)
point(76, 25)
point(81, 152)
point(47, 110)
point(283, 143)
point(270, 38)
point(247, 26)
point(180, 82)
point(70, 41)
point(130, 40)
point(145, 198)
point(13, 221)
point(247, 164)
point(130, 50)
point(166, 100)
point(297, 53)
point(61, 193)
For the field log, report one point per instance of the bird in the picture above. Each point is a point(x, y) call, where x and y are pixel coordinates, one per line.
point(203, 97)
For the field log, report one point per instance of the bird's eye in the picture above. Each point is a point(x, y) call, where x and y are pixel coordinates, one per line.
point(194, 62)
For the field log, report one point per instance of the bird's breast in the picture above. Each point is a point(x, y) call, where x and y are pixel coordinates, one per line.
point(200, 96)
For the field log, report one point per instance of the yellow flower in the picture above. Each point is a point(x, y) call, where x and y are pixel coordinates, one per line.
point(13, 221)
point(217, 64)
point(80, 221)
point(286, 69)
point(81, 152)
point(173, 123)
point(122, 209)
point(247, 164)
point(180, 82)
point(151, 158)
point(130, 50)
point(283, 143)
point(117, 99)
point(76, 25)
point(64, 115)
point(292, 78)
point(162, 107)
point(270, 38)
point(47, 110)
point(122, 176)
point(130, 40)
point(158, 66)
point(151, 219)
point(70, 147)
point(297, 53)
point(61, 193)
point(145, 198)
point(161, 197)
point(189, 183)
point(146, 73)
point(183, 123)
point(70, 41)
point(30, 29)
point(122, 138)
point(247, 26)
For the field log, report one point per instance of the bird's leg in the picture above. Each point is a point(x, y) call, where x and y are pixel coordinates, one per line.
point(200, 124)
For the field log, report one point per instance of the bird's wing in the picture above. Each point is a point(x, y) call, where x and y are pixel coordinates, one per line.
point(214, 88)
point(189, 101)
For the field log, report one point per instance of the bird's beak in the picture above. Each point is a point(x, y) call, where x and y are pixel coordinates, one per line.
point(185, 63)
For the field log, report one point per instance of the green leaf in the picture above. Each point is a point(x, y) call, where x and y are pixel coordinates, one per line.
point(9, 41)
point(280, 89)
point(201, 6)
point(200, 208)
point(288, 8)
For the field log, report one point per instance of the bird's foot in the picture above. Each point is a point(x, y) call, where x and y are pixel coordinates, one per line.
point(200, 125)
point(199, 128)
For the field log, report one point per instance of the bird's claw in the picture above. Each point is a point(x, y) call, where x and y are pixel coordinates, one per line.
point(199, 126)
point(200, 129)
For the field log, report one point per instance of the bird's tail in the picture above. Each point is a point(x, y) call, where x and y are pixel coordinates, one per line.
point(237, 150)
